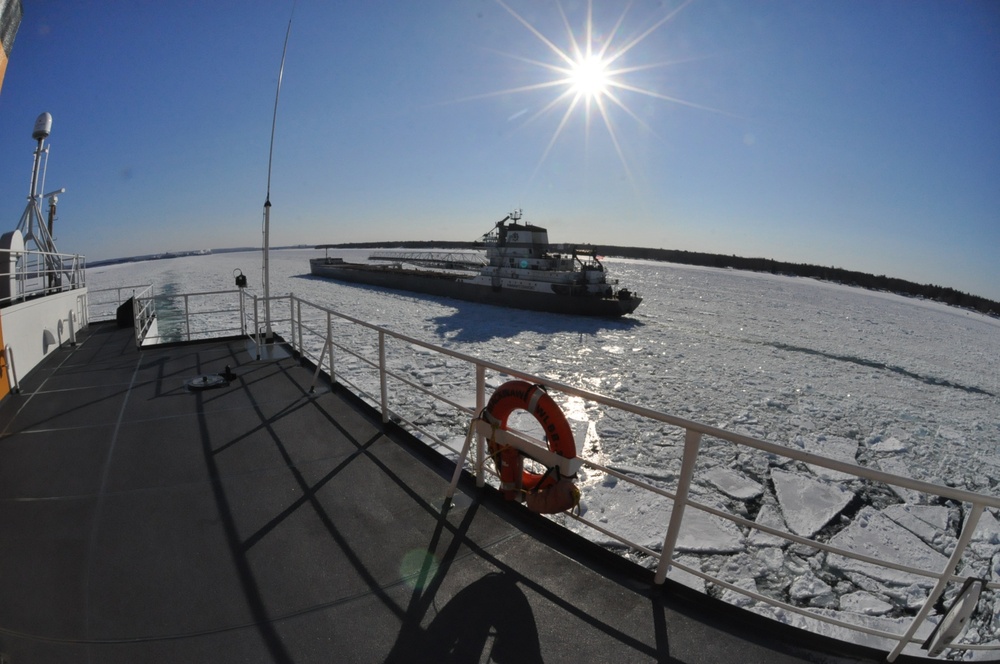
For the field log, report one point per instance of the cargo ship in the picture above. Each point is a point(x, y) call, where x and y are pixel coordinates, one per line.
point(521, 269)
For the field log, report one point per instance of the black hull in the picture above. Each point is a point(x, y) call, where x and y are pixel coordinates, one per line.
point(449, 285)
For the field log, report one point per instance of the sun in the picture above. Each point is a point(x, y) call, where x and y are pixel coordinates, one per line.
point(590, 77)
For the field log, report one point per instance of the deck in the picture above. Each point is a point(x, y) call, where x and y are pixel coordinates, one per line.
point(143, 521)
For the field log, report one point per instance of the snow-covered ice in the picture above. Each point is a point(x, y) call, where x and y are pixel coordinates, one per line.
point(808, 504)
point(872, 533)
point(896, 384)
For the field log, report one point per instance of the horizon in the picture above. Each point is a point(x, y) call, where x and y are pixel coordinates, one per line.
point(390, 243)
point(860, 135)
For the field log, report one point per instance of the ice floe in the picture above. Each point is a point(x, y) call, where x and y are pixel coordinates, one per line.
point(808, 504)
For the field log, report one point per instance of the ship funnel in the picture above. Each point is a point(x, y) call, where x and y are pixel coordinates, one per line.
point(43, 127)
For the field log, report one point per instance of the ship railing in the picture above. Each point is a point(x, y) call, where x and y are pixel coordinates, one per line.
point(200, 315)
point(144, 317)
point(183, 317)
point(103, 303)
point(28, 274)
point(317, 333)
point(396, 372)
point(178, 317)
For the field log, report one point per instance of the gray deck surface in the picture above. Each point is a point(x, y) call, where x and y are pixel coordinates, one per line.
point(141, 521)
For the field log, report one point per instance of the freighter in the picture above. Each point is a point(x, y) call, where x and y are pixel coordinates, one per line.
point(520, 269)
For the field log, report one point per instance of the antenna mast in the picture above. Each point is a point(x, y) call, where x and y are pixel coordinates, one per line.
point(268, 332)
point(31, 225)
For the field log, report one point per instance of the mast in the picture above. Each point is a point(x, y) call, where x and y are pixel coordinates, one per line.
point(32, 226)
point(266, 277)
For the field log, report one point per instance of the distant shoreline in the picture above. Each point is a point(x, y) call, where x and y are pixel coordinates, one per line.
point(881, 282)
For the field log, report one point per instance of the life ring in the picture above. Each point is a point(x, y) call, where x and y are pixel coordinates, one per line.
point(520, 395)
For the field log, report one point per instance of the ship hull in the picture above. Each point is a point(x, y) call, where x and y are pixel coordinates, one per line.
point(446, 284)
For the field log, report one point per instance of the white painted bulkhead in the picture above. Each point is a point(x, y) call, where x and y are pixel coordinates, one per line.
point(34, 328)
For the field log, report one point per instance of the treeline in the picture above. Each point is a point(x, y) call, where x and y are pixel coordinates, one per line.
point(835, 274)
point(839, 275)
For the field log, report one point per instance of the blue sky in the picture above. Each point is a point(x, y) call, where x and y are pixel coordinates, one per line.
point(858, 134)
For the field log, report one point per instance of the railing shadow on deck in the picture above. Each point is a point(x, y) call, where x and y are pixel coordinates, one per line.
point(378, 365)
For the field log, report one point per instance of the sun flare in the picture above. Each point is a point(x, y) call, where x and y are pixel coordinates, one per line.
point(590, 76)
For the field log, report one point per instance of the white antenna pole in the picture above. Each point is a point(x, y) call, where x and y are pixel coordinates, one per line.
point(31, 224)
point(268, 332)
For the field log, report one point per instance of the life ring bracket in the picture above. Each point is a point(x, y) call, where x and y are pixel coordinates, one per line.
point(529, 447)
point(545, 493)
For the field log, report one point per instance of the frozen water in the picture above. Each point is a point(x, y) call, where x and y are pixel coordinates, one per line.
point(808, 504)
point(871, 533)
point(770, 516)
point(809, 587)
point(864, 603)
point(832, 447)
point(732, 483)
point(903, 385)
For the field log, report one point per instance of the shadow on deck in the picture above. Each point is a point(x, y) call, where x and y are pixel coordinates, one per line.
point(141, 520)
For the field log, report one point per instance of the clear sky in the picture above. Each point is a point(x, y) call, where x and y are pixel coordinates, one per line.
point(859, 134)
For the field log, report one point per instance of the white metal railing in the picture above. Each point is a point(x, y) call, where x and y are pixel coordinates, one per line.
point(376, 359)
point(26, 274)
point(144, 316)
point(179, 317)
point(104, 302)
point(187, 316)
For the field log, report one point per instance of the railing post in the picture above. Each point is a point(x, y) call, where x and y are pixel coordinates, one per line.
point(256, 325)
point(187, 317)
point(243, 313)
point(136, 318)
point(291, 322)
point(692, 441)
point(256, 321)
point(382, 376)
point(968, 530)
point(329, 341)
point(480, 442)
point(298, 323)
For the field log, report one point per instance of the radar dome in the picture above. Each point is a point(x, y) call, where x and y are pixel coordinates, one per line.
point(43, 127)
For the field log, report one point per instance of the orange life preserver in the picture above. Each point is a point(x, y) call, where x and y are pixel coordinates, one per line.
point(519, 395)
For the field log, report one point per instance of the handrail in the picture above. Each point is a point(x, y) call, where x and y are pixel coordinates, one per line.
point(312, 331)
point(181, 316)
point(29, 273)
point(144, 314)
point(97, 299)
point(694, 432)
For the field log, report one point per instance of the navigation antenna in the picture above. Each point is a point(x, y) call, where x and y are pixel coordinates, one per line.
point(265, 275)
point(32, 226)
